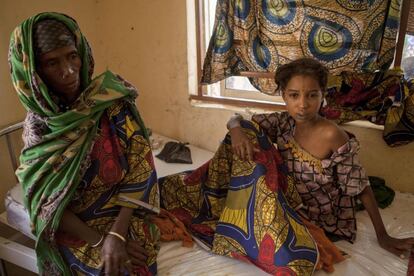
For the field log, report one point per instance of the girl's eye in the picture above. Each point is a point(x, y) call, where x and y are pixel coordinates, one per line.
point(293, 95)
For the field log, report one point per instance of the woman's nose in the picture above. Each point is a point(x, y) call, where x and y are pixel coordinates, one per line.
point(66, 70)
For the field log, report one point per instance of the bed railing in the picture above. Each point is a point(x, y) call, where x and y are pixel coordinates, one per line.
point(11, 248)
point(7, 131)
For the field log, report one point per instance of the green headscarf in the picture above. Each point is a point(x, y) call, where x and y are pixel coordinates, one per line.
point(51, 170)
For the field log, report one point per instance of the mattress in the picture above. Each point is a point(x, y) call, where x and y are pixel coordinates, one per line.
point(17, 215)
point(366, 257)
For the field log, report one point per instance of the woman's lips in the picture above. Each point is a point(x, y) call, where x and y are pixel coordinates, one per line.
point(72, 84)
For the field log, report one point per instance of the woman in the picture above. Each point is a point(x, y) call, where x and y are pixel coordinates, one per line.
point(85, 147)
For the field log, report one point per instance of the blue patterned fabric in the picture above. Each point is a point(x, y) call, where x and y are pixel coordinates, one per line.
point(260, 35)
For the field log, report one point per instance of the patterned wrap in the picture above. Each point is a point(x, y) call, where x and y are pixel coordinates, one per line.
point(399, 124)
point(50, 34)
point(383, 98)
point(56, 155)
point(328, 186)
point(121, 163)
point(243, 209)
point(259, 35)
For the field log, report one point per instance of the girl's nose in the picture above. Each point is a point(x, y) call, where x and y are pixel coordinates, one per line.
point(303, 103)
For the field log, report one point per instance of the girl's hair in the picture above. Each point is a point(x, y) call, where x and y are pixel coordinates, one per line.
point(303, 66)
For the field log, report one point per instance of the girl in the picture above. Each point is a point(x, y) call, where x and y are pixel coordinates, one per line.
point(321, 156)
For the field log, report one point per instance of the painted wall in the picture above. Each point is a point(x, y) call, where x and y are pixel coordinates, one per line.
point(395, 165)
point(12, 13)
point(146, 42)
point(152, 53)
point(148, 47)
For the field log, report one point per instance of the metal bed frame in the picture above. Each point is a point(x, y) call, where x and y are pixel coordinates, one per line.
point(11, 250)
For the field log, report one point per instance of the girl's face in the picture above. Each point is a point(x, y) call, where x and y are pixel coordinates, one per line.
point(303, 98)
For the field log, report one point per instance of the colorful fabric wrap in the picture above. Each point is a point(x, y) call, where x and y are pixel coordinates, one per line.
point(51, 169)
point(383, 98)
point(50, 34)
point(244, 209)
point(259, 36)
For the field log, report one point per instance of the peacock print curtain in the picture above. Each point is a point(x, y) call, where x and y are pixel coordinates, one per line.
point(259, 35)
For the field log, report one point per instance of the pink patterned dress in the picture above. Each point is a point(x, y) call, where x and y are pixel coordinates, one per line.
point(327, 186)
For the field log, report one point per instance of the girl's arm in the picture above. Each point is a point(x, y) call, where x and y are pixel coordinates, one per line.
point(241, 145)
point(400, 247)
point(360, 186)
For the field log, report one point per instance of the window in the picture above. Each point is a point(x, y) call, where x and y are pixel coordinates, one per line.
point(239, 91)
point(233, 90)
point(404, 55)
point(407, 60)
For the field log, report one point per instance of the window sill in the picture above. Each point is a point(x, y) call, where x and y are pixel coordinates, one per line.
point(234, 104)
point(364, 124)
point(249, 107)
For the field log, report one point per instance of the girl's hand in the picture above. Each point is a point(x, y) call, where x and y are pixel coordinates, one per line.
point(241, 145)
point(136, 253)
point(400, 247)
point(115, 256)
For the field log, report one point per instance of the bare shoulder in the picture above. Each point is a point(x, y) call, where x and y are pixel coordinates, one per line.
point(333, 135)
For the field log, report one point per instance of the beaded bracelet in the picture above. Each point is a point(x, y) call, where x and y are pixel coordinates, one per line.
point(99, 242)
point(119, 236)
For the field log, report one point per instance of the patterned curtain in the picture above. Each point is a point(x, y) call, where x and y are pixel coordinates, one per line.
point(259, 35)
point(381, 98)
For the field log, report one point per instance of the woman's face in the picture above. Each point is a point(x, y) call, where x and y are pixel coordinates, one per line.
point(59, 69)
point(303, 98)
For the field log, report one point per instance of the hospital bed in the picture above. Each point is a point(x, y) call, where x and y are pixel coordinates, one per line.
point(366, 257)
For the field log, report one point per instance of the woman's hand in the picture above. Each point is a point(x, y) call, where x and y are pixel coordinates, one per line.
point(115, 256)
point(400, 247)
point(241, 145)
point(136, 253)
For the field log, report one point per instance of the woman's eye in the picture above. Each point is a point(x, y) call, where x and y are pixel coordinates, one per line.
point(51, 63)
point(74, 56)
point(293, 95)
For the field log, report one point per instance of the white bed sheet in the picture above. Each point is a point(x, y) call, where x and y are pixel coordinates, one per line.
point(367, 258)
point(17, 215)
